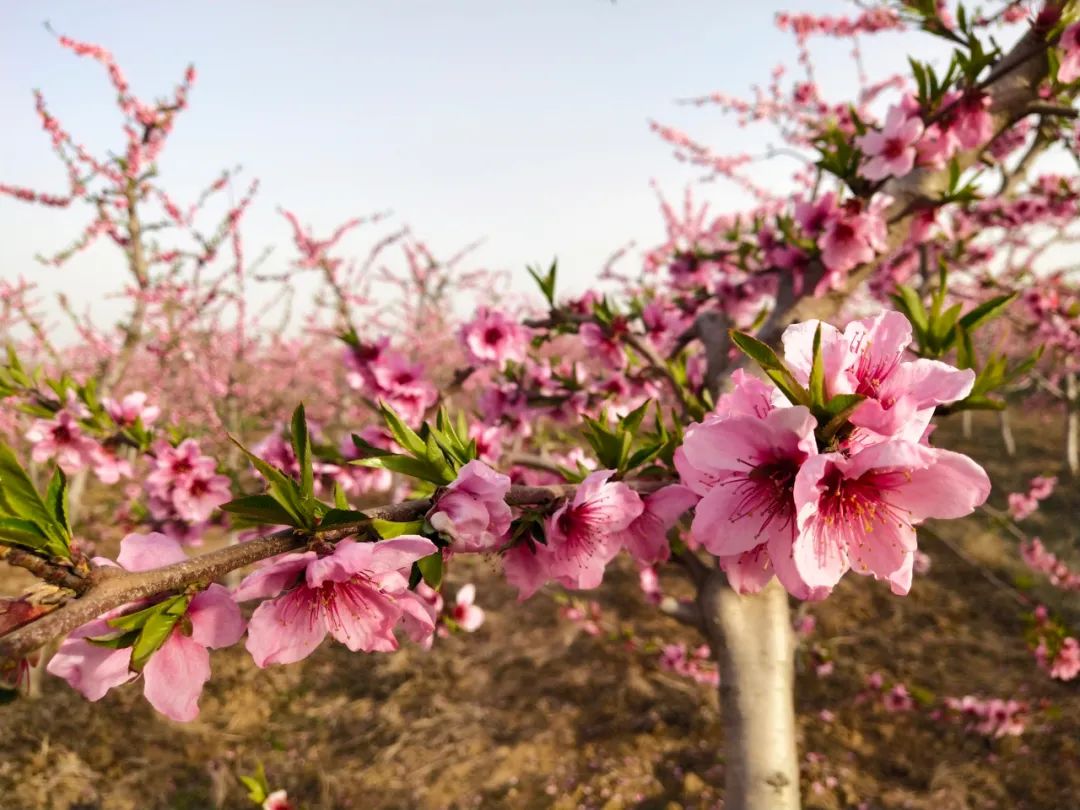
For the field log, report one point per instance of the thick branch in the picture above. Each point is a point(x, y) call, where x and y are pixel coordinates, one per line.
point(111, 590)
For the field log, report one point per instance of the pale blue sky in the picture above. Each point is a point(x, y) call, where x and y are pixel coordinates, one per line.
point(522, 122)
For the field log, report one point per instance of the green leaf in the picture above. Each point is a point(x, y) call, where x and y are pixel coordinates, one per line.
point(117, 642)
point(817, 372)
point(282, 489)
point(546, 282)
point(393, 528)
point(632, 421)
point(340, 500)
point(965, 348)
point(368, 450)
point(431, 569)
point(402, 433)
point(56, 499)
point(157, 629)
point(341, 517)
point(22, 532)
point(909, 303)
point(435, 456)
point(18, 497)
point(837, 411)
point(985, 311)
point(301, 442)
point(766, 358)
point(261, 509)
point(412, 467)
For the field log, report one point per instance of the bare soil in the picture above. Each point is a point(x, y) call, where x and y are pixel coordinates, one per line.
point(530, 712)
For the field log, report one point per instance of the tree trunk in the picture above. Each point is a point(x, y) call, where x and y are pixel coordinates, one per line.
point(1072, 425)
point(1007, 434)
point(754, 645)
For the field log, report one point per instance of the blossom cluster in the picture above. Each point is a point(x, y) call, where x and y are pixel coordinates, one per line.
point(992, 717)
point(184, 488)
point(775, 503)
point(1041, 559)
point(383, 373)
point(1024, 504)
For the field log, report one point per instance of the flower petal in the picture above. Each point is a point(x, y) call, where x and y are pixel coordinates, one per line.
point(273, 576)
point(215, 617)
point(144, 552)
point(173, 678)
point(287, 629)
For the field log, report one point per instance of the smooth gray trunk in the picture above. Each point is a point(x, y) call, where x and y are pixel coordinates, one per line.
point(1072, 424)
point(1007, 437)
point(754, 645)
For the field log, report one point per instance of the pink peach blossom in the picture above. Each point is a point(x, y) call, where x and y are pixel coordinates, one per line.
point(584, 535)
point(491, 338)
point(891, 151)
point(472, 511)
point(1069, 67)
point(174, 675)
point(861, 511)
point(358, 594)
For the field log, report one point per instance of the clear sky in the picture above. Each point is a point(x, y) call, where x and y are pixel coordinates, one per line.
point(523, 122)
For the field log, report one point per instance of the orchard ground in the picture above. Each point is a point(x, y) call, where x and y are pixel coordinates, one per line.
point(530, 711)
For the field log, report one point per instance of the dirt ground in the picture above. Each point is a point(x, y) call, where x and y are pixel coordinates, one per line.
point(530, 712)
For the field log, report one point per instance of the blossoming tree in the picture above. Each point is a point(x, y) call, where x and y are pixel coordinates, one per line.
point(754, 410)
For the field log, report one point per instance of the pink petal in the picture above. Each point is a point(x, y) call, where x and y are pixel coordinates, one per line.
point(612, 505)
point(798, 342)
point(879, 545)
point(900, 580)
point(144, 552)
point(580, 564)
point(400, 553)
point(216, 620)
point(477, 478)
point(949, 488)
point(721, 528)
point(881, 339)
point(470, 618)
point(671, 503)
point(362, 618)
point(285, 630)
point(173, 678)
point(890, 456)
point(466, 595)
point(88, 668)
point(748, 572)
point(929, 382)
point(782, 560)
point(348, 559)
point(818, 554)
point(749, 396)
point(646, 539)
point(273, 576)
point(525, 570)
point(418, 616)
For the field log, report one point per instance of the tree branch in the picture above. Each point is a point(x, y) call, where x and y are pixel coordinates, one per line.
point(111, 589)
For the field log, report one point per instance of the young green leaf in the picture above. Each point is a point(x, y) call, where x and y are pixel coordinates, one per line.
point(157, 629)
point(817, 373)
point(393, 528)
point(260, 509)
point(301, 442)
point(766, 358)
point(402, 433)
point(431, 569)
